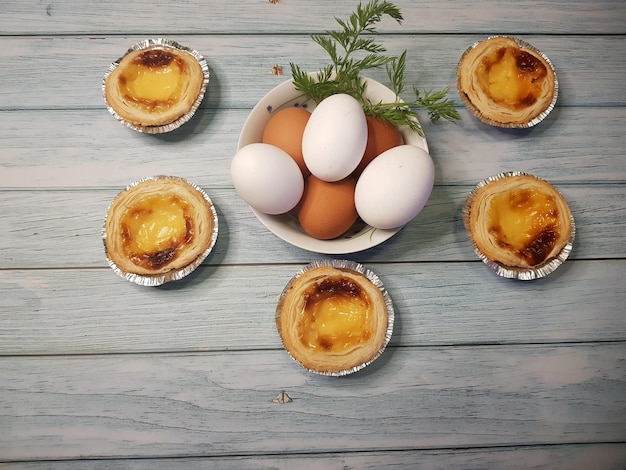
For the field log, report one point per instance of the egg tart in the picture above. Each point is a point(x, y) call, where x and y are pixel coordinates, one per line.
point(156, 86)
point(506, 82)
point(159, 229)
point(519, 224)
point(334, 317)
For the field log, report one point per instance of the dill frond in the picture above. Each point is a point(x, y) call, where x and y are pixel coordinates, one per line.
point(351, 54)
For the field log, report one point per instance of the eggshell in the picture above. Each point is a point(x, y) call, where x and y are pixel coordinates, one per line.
point(327, 209)
point(395, 186)
point(335, 137)
point(267, 178)
point(285, 130)
point(381, 136)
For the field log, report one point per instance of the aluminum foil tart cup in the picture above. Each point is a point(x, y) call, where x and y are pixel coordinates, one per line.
point(514, 272)
point(160, 44)
point(291, 308)
point(472, 99)
point(112, 241)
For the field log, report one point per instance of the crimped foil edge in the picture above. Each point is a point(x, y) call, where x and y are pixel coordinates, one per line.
point(174, 274)
point(374, 279)
point(511, 125)
point(512, 272)
point(162, 44)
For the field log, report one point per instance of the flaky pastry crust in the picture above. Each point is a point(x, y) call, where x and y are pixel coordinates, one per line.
point(519, 221)
point(318, 354)
point(135, 107)
point(175, 253)
point(504, 83)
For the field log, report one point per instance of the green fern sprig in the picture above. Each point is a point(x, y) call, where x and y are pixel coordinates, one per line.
point(351, 54)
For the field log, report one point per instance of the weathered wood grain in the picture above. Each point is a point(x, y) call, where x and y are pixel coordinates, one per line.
point(223, 404)
point(62, 228)
point(222, 308)
point(289, 16)
point(89, 148)
point(67, 72)
point(566, 457)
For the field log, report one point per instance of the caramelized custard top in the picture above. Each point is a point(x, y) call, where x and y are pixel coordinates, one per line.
point(154, 229)
point(153, 79)
point(511, 77)
point(526, 222)
point(337, 316)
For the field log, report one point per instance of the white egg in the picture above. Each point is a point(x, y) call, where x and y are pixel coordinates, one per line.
point(267, 178)
point(395, 186)
point(335, 137)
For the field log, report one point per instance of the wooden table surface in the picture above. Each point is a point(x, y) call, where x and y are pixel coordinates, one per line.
point(481, 372)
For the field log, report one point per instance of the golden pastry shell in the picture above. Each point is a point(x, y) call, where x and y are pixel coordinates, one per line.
point(516, 272)
point(354, 271)
point(163, 44)
point(173, 272)
point(476, 110)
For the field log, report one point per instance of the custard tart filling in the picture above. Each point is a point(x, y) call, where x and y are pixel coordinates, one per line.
point(156, 229)
point(157, 226)
point(506, 82)
point(333, 320)
point(519, 221)
point(154, 86)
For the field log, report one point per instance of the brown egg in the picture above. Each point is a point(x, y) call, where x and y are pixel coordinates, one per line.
point(327, 210)
point(381, 136)
point(284, 130)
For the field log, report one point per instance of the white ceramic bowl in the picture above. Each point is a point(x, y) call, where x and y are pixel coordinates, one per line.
point(285, 226)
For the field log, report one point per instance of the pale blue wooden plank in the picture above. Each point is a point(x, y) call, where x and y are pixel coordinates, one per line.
point(150, 406)
point(196, 16)
point(66, 72)
point(89, 148)
point(565, 457)
point(62, 228)
point(223, 307)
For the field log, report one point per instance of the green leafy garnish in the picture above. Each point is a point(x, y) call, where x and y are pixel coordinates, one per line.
point(351, 54)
